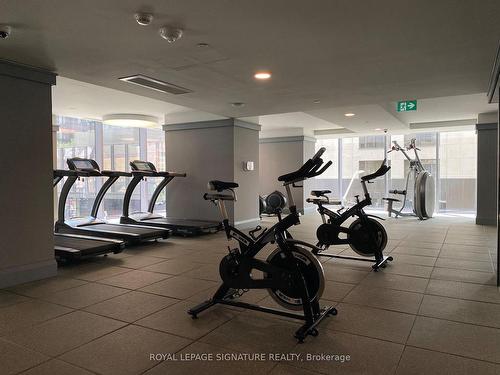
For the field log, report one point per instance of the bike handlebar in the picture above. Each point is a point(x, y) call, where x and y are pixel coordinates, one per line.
point(311, 168)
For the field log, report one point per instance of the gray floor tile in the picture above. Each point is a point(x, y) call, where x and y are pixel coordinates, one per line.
point(179, 287)
point(175, 320)
point(210, 367)
point(366, 355)
point(487, 278)
point(125, 351)
point(85, 295)
point(392, 281)
point(48, 286)
point(469, 291)
point(389, 299)
point(14, 358)
point(131, 306)
point(64, 333)
point(134, 279)
point(480, 313)
point(372, 322)
point(456, 338)
point(28, 314)
point(417, 361)
point(56, 367)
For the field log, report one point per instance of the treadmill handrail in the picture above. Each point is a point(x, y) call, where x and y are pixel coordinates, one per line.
point(108, 173)
point(138, 175)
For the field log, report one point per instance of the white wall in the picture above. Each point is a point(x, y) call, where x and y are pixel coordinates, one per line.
point(284, 155)
point(212, 150)
point(26, 200)
point(487, 158)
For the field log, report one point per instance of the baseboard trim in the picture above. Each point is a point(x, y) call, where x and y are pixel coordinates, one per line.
point(249, 223)
point(27, 272)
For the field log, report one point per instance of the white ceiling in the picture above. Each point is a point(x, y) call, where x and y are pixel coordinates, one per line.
point(361, 56)
point(79, 99)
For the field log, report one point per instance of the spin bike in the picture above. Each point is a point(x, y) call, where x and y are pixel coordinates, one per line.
point(423, 189)
point(293, 277)
point(366, 236)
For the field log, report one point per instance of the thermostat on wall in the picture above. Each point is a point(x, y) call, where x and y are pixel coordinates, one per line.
point(248, 166)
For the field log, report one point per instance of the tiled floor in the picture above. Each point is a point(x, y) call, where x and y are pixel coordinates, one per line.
point(434, 310)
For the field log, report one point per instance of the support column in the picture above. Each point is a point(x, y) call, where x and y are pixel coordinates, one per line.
point(27, 248)
point(487, 133)
point(213, 150)
point(280, 155)
point(55, 129)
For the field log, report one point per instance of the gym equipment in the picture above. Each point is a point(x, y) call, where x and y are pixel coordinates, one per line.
point(184, 227)
point(70, 247)
point(366, 236)
point(424, 187)
point(291, 274)
point(92, 225)
point(273, 203)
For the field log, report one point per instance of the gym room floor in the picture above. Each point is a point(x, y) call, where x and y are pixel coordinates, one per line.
point(434, 309)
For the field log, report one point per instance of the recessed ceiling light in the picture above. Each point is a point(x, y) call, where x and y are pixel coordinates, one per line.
point(262, 75)
point(349, 114)
point(316, 101)
point(202, 45)
point(171, 34)
point(143, 19)
point(377, 129)
point(129, 120)
point(238, 104)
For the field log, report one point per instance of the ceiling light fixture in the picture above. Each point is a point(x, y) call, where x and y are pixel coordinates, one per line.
point(143, 19)
point(316, 101)
point(129, 120)
point(349, 114)
point(262, 75)
point(238, 104)
point(377, 129)
point(170, 34)
point(202, 45)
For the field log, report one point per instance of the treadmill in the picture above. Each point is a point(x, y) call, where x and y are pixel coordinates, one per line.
point(72, 247)
point(182, 227)
point(91, 225)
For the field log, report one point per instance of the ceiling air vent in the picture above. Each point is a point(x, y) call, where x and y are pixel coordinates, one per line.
point(155, 84)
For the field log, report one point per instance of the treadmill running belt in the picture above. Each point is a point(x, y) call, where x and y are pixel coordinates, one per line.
point(86, 246)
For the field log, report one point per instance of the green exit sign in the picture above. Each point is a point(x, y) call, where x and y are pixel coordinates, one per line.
point(407, 105)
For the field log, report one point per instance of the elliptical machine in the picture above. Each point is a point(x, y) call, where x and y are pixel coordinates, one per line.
point(291, 274)
point(424, 187)
point(366, 236)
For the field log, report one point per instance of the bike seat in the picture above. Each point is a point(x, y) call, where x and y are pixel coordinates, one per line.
point(318, 193)
point(391, 199)
point(221, 185)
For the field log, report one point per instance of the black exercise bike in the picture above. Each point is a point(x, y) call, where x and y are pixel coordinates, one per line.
point(366, 236)
point(292, 275)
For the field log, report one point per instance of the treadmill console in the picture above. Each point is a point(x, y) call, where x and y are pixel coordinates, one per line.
point(79, 164)
point(142, 166)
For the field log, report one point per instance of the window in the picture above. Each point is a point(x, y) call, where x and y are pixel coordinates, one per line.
point(156, 155)
point(120, 145)
point(372, 141)
point(329, 180)
point(457, 171)
point(400, 165)
point(359, 161)
point(76, 138)
point(451, 157)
